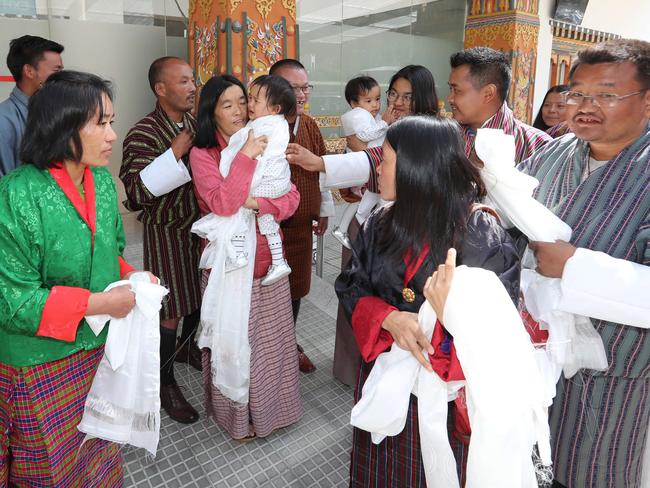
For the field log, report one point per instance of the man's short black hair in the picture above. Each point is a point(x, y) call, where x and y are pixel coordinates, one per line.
point(486, 66)
point(57, 112)
point(156, 69)
point(358, 86)
point(619, 51)
point(286, 63)
point(28, 50)
point(278, 92)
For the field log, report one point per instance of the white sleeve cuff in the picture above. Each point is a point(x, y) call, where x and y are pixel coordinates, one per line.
point(597, 285)
point(345, 170)
point(326, 204)
point(165, 174)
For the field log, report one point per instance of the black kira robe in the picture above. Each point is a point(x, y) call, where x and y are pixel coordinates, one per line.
point(370, 288)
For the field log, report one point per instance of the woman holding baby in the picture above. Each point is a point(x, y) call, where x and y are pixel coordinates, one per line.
point(273, 396)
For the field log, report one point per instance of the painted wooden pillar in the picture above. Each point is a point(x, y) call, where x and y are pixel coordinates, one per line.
point(511, 26)
point(240, 37)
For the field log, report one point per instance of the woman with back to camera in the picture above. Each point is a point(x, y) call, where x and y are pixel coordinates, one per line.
point(61, 244)
point(434, 189)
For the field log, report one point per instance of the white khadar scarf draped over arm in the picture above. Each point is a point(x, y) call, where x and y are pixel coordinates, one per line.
point(506, 401)
point(226, 301)
point(123, 404)
point(573, 343)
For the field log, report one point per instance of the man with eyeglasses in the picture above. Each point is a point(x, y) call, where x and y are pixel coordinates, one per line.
point(598, 181)
point(478, 87)
point(314, 206)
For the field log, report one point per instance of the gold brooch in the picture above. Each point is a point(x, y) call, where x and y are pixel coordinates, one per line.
point(408, 295)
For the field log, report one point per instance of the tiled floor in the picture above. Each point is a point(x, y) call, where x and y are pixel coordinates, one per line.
point(312, 453)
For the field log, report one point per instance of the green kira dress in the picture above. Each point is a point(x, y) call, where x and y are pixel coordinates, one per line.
point(45, 242)
point(56, 248)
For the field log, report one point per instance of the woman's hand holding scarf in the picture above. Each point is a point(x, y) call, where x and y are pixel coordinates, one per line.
point(405, 329)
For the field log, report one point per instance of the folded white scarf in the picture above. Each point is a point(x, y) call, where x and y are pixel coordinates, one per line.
point(226, 305)
point(123, 404)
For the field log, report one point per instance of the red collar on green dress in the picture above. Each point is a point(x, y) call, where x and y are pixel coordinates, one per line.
point(87, 209)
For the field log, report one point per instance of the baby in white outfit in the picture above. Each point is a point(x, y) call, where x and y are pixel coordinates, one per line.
point(365, 122)
point(270, 99)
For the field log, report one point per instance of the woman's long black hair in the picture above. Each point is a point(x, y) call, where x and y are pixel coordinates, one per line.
point(435, 187)
point(206, 128)
point(539, 120)
point(424, 99)
point(67, 101)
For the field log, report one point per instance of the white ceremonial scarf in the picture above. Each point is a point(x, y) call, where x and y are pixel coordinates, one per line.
point(505, 423)
point(123, 404)
point(573, 343)
point(225, 307)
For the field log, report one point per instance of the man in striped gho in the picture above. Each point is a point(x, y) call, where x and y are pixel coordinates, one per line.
point(478, 88)
point(597, 180)
point(155, 148)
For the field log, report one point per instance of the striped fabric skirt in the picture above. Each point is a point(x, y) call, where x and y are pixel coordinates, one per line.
point(173, 256)
point(40, 408)
point(599, 427)
point(274, 396)
point(396, 462)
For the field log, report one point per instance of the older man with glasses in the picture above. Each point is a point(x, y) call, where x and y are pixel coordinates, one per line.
point(598, 181)
point(315, 207)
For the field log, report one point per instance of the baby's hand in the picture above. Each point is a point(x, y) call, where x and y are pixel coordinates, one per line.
point(390, 115)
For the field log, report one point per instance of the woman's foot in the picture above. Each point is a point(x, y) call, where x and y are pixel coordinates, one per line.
point(251, 435)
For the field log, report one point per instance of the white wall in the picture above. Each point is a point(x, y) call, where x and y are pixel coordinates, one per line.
point(628, 18)
point(120, 53)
